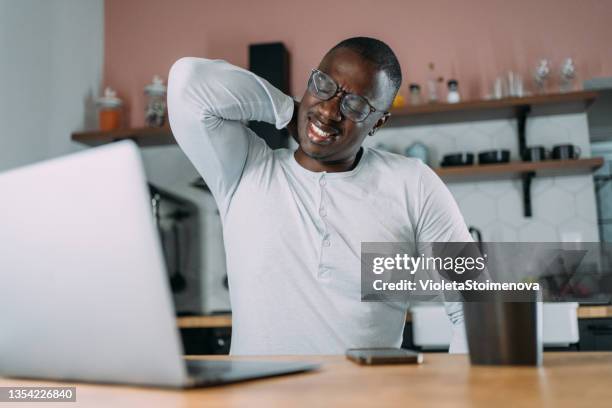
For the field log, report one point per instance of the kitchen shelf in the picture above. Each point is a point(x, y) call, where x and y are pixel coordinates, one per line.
point(505, 108)
point(526, 171)
point(518, 169)
point(144, 136)
point(425, 114)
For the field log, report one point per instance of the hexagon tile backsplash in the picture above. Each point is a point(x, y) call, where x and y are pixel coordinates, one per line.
point(564, 208)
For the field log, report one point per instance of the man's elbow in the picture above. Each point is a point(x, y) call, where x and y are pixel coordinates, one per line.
point(182, 74)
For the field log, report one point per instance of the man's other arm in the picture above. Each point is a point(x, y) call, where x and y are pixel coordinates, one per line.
point(441, 221)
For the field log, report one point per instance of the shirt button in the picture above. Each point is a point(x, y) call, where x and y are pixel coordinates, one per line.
point(326, 243)
point(322, 212)
point(324, 273)
point(322, 182)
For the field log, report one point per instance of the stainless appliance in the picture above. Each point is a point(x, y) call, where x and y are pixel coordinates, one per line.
point(600, 120)
point(214, 284)
point(603, 189)
point(178, 224)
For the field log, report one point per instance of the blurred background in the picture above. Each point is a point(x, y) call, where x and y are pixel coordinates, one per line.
point(510, 102)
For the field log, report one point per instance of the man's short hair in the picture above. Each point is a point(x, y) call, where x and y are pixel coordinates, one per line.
point(378, 53)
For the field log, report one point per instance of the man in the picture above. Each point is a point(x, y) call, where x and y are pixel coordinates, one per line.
point(294, 222)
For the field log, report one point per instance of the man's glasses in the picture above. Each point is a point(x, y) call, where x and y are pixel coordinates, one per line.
point(323, 87)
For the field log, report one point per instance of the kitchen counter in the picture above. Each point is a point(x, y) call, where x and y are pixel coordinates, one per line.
point(594, 312)
point(225, 320)
point(565, 380)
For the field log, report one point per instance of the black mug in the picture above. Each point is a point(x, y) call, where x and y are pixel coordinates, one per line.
point(565, 152)
point(534, 153)
point(504, 332)
point(457, 159)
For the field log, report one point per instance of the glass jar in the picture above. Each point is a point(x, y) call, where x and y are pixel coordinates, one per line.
point(542, 75)
point(155, 110)
point(453, 91)
point(109, 110)
point(568, 75)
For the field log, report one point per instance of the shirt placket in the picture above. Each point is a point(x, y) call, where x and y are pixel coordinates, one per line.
point(324, 271)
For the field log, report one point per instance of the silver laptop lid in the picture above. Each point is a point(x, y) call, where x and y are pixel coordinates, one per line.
point(83, 290)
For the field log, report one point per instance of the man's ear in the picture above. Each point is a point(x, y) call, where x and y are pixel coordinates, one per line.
point(380, 123)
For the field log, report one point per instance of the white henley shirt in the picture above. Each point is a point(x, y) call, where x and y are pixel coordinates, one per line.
point(292, 236)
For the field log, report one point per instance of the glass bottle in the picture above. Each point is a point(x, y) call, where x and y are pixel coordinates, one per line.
point(432, 84)
point(415, 94)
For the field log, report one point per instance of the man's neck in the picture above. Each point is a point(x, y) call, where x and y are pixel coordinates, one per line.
point(336, 166)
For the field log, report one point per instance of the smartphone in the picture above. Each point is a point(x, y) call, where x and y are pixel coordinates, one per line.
point(375, 356)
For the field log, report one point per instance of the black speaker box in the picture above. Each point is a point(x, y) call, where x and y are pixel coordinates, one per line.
point(271, 62)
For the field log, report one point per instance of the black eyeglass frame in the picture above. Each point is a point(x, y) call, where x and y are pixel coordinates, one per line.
point(344, 93)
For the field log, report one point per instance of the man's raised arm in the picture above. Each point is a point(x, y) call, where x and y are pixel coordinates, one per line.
point(208, 104)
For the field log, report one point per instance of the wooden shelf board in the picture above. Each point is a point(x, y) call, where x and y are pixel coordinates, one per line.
point(144, 136)
point(516, 169)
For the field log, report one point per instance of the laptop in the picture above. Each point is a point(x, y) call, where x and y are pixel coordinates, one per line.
point(84, 294)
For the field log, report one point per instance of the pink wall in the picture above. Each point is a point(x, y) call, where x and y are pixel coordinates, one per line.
point(471, 40)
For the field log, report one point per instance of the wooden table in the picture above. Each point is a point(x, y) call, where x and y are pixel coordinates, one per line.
point(565, 380)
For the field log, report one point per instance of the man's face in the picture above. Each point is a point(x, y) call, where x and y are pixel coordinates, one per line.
point(324, 133)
